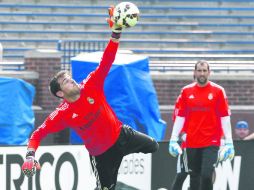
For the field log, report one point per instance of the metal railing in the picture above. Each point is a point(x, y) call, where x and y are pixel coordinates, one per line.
point(220, 62)
point(71, 48)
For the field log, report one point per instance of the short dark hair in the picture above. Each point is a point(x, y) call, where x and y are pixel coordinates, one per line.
point(202, 62)
point(54, 85)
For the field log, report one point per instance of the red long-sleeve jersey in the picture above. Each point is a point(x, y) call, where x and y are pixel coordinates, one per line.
point(90, 116)
point(203, 108)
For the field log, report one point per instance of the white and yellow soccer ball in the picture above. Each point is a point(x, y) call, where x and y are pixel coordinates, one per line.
point(126, 14)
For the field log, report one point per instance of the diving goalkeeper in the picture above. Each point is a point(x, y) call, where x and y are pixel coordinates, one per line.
point(84, 109)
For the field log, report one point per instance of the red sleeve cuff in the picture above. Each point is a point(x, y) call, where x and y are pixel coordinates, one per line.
point(33, 144)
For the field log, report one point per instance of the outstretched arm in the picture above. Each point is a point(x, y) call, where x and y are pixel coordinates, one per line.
point(110, 51)
point(50, 125)
point(106, 61)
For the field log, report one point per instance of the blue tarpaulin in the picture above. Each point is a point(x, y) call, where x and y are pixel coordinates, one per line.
point(16, 114)
point(129, 90)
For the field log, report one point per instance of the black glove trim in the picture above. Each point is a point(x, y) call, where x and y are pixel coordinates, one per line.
point(116, 35)
point(30, 153)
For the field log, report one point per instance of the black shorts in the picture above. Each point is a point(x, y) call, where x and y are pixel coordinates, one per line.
point(106, 165)
point(202, 159)
point(201, 163)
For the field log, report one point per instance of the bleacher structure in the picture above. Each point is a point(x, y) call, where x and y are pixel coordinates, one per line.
point(173, 33)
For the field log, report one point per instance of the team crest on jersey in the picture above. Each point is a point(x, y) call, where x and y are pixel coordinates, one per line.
point(74, 115)
point(90, 100)
point(210, 96)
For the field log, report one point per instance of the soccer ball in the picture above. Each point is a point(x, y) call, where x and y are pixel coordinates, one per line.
point(126, 14)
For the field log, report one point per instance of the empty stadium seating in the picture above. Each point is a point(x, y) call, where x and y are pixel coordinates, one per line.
point(166, 32)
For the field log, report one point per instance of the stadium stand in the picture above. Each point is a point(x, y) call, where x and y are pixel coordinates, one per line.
point(166, 28)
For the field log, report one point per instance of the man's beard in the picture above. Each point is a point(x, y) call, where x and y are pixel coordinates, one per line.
point(202, 80)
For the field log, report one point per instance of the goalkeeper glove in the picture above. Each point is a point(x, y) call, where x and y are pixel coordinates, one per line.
point(227, 151)
point(116, 29)
point(30, 165)
point(174, 148)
